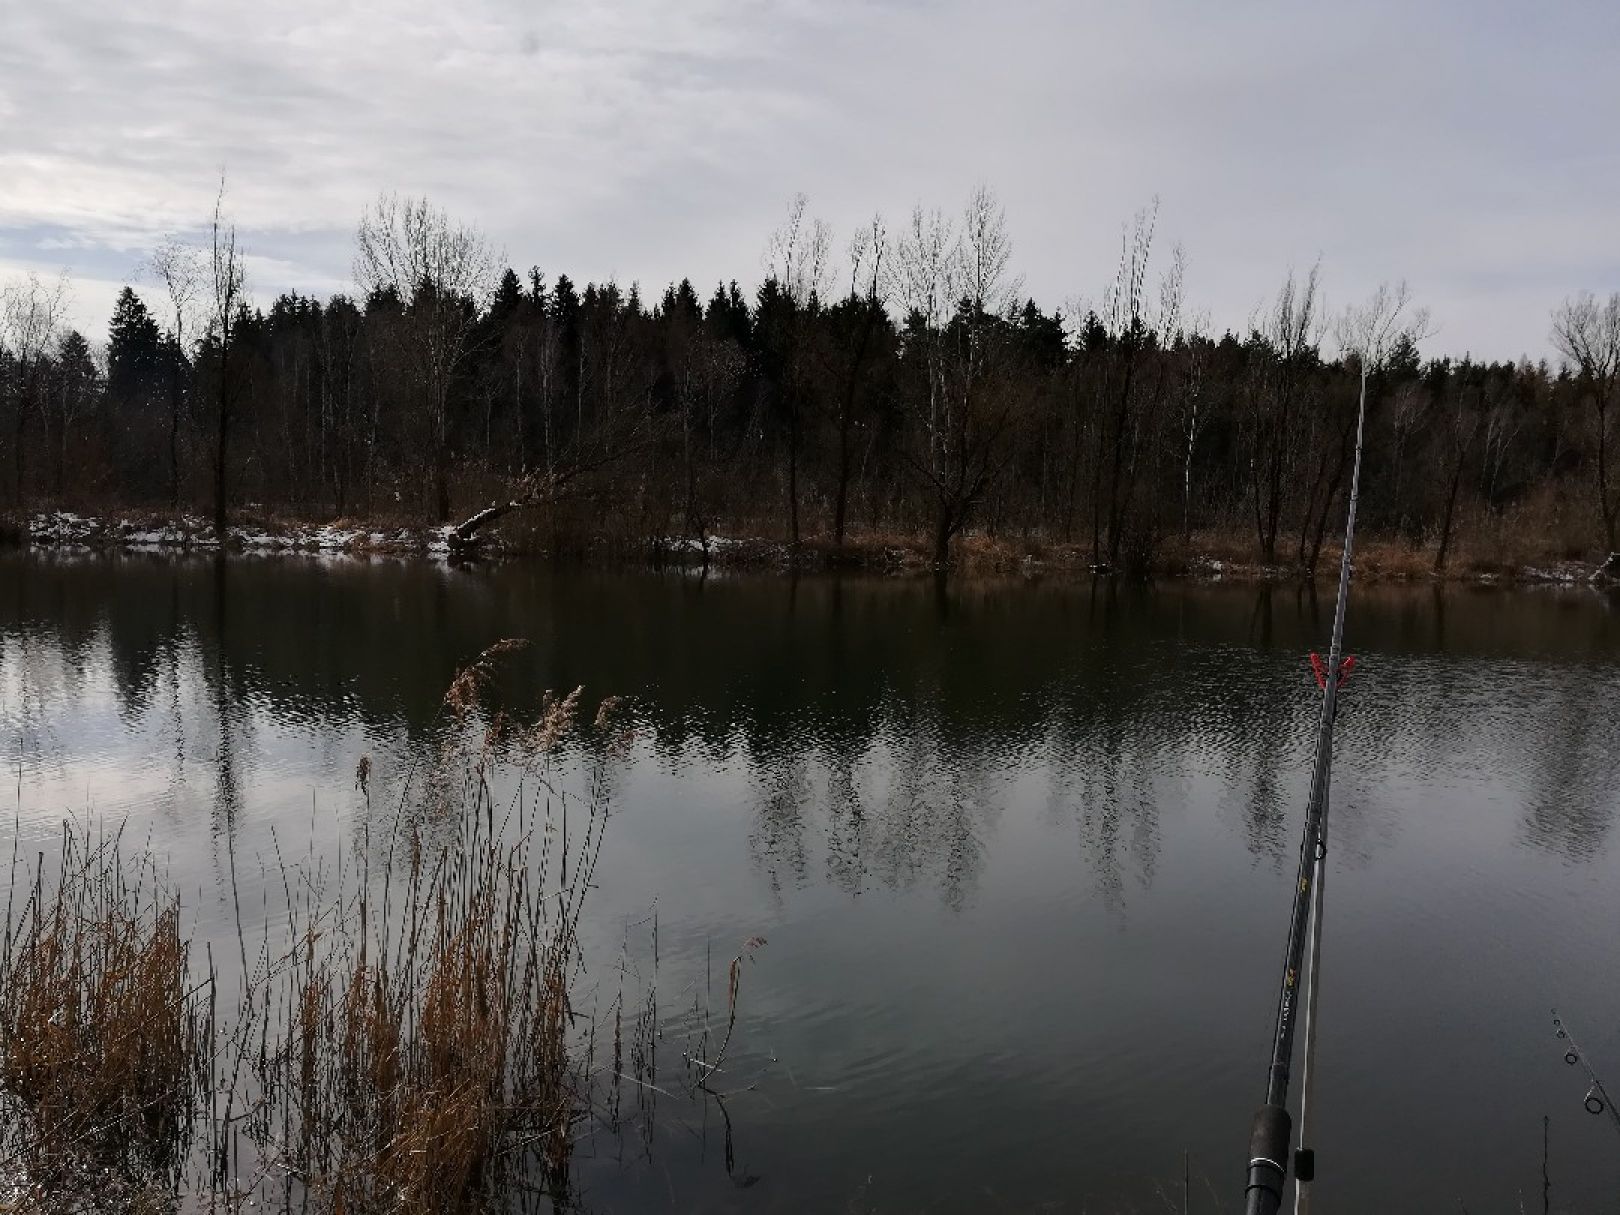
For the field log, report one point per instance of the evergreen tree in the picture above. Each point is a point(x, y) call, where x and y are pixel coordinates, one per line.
point(134, 351)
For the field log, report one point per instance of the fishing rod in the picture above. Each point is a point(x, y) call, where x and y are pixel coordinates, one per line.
point(1271, 1133)
point(1597, 1098)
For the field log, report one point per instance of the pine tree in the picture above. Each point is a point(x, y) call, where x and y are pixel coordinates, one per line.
point(134, 351)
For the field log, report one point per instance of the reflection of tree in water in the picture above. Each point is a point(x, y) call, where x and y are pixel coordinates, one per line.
point(225, 698)
point(1104, 776)
point(876, 731)
point(940, 808)
point(1571, 768)
point(920, 815)
point(1117, 801)
point(846, 822)
point(777, 836)
point(1265, 728)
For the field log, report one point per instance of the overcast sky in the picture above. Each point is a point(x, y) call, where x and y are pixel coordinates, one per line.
point(1470, 147)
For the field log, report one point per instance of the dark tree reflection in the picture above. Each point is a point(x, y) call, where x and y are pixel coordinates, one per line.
point(882, 738)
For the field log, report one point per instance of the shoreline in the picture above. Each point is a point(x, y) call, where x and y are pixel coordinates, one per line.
point(1204, 559)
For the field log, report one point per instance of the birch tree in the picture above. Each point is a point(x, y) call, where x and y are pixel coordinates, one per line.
point(31, 316)
point(868, 279)
point(440, 271)
point(179, 268)
point(227, 278)
point(796, 257)
point(1371, 335)
point(1133, 329)
point(1289, 336)
point(958, 291)
point(1586, 332)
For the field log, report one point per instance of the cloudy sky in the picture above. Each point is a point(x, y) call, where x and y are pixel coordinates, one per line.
point(1468, 146)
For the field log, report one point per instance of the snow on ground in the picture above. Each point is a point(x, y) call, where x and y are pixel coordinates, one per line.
point(1562, 573)
point(694, 544)
point(66, 529)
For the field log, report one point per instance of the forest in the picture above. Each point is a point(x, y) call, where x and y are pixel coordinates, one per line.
point(896, 387)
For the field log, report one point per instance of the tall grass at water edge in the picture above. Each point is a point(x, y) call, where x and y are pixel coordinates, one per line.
point(401, 1037)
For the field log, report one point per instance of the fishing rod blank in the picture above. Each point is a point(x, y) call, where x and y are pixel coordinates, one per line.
point(1597, 1098)
point(1271, 1133)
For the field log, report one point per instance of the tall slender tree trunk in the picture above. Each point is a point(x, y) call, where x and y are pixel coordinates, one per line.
point(1608, 507)
point(1319, 536)
point(1115, 506)
point(1186, 475)
point(943, 531)
point(441, 477)
point(793, 470)
point(223, 439)
point(1451, 508)
point(841, 500)
point(846, 418)
point(174, 440)
point(61, 452)
point(1096, 482)
point(20, 434)
point(1076, 456)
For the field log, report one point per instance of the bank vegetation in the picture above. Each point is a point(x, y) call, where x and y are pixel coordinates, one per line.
point(891, 391)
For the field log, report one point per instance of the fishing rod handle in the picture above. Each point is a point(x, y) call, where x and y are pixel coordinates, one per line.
point(1269, 1139)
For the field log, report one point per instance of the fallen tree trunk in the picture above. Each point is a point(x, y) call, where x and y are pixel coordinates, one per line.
point(546, 490)
point(538, 489)
point(466, 532)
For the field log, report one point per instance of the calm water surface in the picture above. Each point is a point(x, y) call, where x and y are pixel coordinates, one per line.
point(1021, 853)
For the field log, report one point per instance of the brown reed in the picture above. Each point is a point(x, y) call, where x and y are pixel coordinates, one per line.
point(406, 1045)
point(103, 1036)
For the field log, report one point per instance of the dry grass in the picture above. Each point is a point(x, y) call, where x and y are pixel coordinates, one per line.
point(423, 1061)
point(427, 1068)
point(104, 1038)
point(406, 1043)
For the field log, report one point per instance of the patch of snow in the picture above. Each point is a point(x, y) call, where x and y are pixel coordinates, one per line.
point(334, 539)
point(438, 544)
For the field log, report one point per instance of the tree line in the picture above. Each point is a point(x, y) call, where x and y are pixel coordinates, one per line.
point(903, 386)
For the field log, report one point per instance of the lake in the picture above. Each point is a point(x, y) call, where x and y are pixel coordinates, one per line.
point(1021, 853)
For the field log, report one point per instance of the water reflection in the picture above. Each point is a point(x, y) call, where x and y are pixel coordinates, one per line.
point(901, 782)
point(874, 730)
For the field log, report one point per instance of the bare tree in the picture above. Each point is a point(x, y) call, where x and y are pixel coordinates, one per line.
point(1196, 341)
point(1132, 329)
point(227, 278)
point(1372, 334)
point(179, 267)
point(868, 250)
point(922, 280)
point(957, 293)
point(1462, 431)
point(796, 256)
point(1410, 406)
point(1586, 331)
point(440, 271)
point(31, 315)
point(1504, 422)
point(984, 254)
point(1291, 332)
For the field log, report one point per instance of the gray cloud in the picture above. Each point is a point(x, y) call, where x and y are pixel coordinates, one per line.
point(1465, 146)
